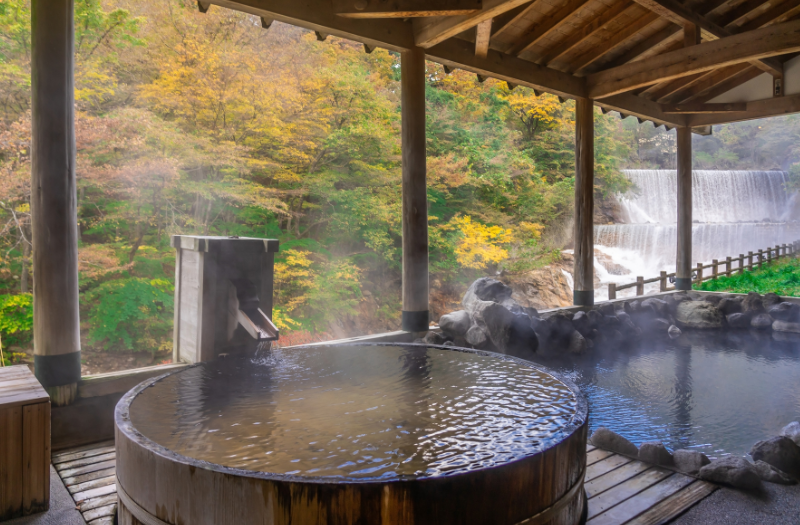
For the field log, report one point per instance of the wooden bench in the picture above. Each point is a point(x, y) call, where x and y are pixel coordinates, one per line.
point(24, 444)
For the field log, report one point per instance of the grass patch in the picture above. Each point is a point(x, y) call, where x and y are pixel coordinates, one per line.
point(781, 277)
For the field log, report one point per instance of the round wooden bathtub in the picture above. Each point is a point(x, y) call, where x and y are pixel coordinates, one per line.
point(463, 453)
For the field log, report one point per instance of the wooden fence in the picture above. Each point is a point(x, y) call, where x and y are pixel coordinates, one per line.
point(743, 262)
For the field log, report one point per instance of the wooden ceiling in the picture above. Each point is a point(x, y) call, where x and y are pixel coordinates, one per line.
point(659, 60)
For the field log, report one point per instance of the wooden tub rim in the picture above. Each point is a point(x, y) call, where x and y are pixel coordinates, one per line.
point(124, 425)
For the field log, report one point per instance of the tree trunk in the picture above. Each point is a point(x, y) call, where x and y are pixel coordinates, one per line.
point(23, 279)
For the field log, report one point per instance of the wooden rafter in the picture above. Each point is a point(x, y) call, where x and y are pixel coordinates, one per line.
point(404, 8)
point(589, 29)
point(682, 15)
point(546, 26)
point(734, 81)
point(705, 82)
point(769, 107)
point(483, 33)
point(698, 107)
point(726, 19)
point(521, 14)
point(613, 42)
point(430, 31)
point(775, 15)
point(760, 43)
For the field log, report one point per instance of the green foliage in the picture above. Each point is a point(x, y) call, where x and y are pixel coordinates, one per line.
point(131, 313)
point(781, 277)
point(16, 319)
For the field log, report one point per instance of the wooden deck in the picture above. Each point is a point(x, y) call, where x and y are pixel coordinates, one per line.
point(89, 473)
point(621, 490)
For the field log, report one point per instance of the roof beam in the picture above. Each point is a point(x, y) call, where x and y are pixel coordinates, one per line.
point(641, 108)
point(592, 27)
point(705, 82)
point(514, 20)
point(483, 33)
point(546, 25)
point(457, 53)
point(613, 42)
point(682, 15)
point(404, 8)
point(430, 31)
point(732, 81)
point(699, 107)
point(769, 107)
point(760, 43)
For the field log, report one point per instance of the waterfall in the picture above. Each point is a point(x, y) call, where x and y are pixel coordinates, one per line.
point(733, 212)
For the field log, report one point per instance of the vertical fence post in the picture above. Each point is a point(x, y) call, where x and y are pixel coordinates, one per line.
point(612, 291)
point(728, 266)
point(741, 263)
point(785, 253)
point(760, 258)
point(714, 269)
point(769, 255)
point(699, 273)
point(750, 261)
point(663, 281)
point(640, 285)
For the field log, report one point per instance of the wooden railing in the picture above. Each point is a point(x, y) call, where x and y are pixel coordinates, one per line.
point(744, 262)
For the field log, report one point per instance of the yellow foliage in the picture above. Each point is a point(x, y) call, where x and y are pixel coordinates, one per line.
point(530, 230)
point(294, 278)
point(481, 244)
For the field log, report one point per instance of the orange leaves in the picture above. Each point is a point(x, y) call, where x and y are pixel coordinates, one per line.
point(447, 172)
point(480, 244)
point(98, 260)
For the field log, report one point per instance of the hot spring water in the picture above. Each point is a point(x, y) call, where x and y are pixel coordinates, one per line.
point(733, 212)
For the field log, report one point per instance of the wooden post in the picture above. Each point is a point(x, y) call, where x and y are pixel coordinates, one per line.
point(750, 261)
point(728, 266)
point(760, 258)
point(612, 291)
point(56, 326)
point(741, 263)
point(699, 273)
point(415, 200)
point(769, 255)
point(683, 266)
point(639, 285)
point(714, 269)
point(583, 294)
point(785, 253)
point(663, 281)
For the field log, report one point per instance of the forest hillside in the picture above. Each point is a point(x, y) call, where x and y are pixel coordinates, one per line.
point(191, 123)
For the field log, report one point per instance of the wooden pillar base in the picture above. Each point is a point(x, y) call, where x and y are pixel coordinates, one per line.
point(583, 297)
point(683, 283)
point(63, 395)
point(416, 321)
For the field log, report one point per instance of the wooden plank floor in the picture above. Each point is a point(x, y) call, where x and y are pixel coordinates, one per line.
point(89, 473)
point(626, 491)
point(621, 490)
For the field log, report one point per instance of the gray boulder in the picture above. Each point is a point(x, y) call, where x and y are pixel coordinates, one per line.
point(661, 307)
point(738, 320)
point(752, 304)
point(655, 453)
point(674, 332)
point(786, 326)
point(792, 431)
point(729, 306)
point(761, 322)
point(731, 470)
point(487, 289)
point(542, 328)
point(780, 452)
point(476, 337)
point(785, 311)
point(577, 343)
point(660, 324)
point(771, 299)
point(712, 298)
point(606, 309)
point(689, 461)
point(560, 328)
point(699, 314)
point(508, 332)
point(455, 323)
point(769, 473)
point(582, 323)
point(607, 440)
point(434, 338)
